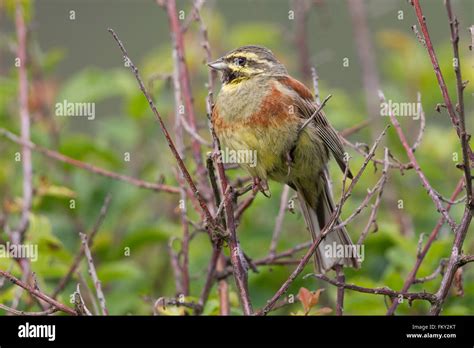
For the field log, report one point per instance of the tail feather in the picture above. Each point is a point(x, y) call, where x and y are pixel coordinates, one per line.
point(316, 219)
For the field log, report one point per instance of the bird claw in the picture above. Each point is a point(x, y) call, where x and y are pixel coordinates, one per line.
point(262, 186)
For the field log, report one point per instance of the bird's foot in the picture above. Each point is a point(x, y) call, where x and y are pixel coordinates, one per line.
point(262, 186)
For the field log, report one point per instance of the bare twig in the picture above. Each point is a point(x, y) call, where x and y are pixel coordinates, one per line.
point(171, 145)
point(93, 274)
point(280, 259)
point(434, 60)
point(315, 76)
point(453, 263)
point(327, 229)
point(457, 121)
point(438, 271)
point(377, 188)
point(393, 165)
point(466, 150)
point(373, 214)
point(17, 312)
point(433, 235)
point(38, 294)
point(88, 294)
point(244, 205)
point(349, 131)
point(192, 132)
point(175, 266)
point(89, 167)
point(223, 288)
point(163, 302)
point(77, 260)
point(380, 291)
point(197, 5)
point(216, 252)
point(184, 81)
point(422, 124)
point(236, 255)
point(183, 267)
point(416, 166)
point(217, 262)
point(465, 259)
point(79, 303)
point(340, 278)
point(309, 120)
point(418, 35)
point(25, 124)
point(279, 220)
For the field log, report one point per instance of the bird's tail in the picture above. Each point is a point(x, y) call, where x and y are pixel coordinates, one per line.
point(336, 248)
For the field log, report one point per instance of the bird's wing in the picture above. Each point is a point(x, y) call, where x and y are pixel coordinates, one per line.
point(307, 106)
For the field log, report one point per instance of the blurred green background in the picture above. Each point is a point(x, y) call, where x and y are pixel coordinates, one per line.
point(77, 60)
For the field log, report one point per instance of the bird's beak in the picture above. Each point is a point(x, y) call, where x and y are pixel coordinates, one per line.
point(218, 64)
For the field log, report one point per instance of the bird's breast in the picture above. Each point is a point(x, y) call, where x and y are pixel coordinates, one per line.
point(256, 118)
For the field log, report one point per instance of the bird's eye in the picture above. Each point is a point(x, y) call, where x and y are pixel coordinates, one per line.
point(240, 61)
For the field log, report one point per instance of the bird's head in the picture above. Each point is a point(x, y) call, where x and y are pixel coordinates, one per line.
point(246, 62)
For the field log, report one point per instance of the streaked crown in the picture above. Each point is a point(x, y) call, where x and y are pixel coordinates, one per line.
point(247, 61)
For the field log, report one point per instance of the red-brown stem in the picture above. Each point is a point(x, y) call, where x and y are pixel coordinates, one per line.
point(202, 203)
point(177, 37)
point(38, 294)
point(380, 291)
point(434, 61)
point(340, 278)
point(302, 8)
point(239, 270)
point(236, 254)
point(18, 235)
point(244, 206)
point(184, 253)
point(416, 166)
point(223, 289)
point(32, 314)
point(211, 270)
point(466, 150)
point(455, 260)
point(457, 121)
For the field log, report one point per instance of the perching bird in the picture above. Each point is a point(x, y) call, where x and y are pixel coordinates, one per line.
point(261, 108)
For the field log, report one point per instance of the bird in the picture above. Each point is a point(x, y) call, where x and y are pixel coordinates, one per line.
point(261, 108)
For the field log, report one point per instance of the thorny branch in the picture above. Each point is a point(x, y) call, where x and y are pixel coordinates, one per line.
point(38, 294)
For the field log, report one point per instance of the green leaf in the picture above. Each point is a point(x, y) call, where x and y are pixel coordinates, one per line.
point(148, 235)
point(93, 84)
point(82, 147)
point(118, 270)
